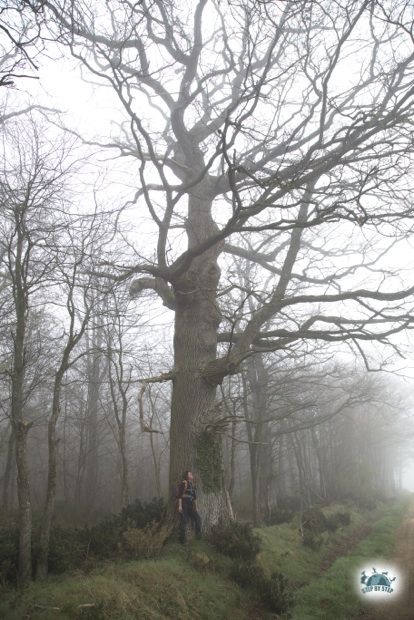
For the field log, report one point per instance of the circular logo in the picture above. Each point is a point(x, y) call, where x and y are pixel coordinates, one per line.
point(378, 580)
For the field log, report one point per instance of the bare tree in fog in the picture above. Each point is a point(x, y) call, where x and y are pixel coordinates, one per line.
point(19, 40)
point(31, 181)
point(120, 376)
point(73, 266)
point(331, 434)
point(288, 124)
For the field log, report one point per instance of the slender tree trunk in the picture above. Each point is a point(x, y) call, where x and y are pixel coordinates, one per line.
point(123, 445)
point(156, 463)
point(21, 427)
point(46, 524)
point(321, 462)
point(80, 470)
point(258, 437)
point(265, 473)
point(253, 447)
point(91, 461)
point(65, 475)
point(232, 457)
point(7, 498)
point(25, 505)
point(124, 465)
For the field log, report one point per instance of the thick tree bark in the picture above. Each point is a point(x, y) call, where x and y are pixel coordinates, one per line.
point(197, 317)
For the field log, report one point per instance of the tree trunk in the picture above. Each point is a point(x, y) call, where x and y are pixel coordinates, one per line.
point(193, 443)
point(25, 506)
point(7, 495)
point(91, 460)
point(258, 435)
point(46, 524)
point(124, 465)
point(157, 465)
point(265, 474)
point(232, 464)
point(21, 427)
point(80, 469)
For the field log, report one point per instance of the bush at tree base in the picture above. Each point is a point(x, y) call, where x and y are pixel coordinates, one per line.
point(145, 542)
point(279, 515)
point(9, 554)
point(273, 591)
point(336, 520)
point(314, 520)
point(237, 540)
point(74, 547)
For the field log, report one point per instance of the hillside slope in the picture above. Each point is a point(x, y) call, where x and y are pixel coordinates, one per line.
point(195, 581)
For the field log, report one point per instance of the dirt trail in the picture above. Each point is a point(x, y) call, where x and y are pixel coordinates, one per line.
point(403, 557)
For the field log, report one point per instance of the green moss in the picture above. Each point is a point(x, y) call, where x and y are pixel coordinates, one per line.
point(209, 461)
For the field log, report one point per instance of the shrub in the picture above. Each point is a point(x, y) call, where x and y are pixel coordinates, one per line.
point(140, 514)
point(245, 573)
point(200, 561)
point(9, 553)
point(344, 518)
point(102, 539)
point(314, 520)
point(366, 503)
point(275, 592)
point(138, 529)
point(337, 520)
point(105, 539)
point(146, 542)
point(311, 540)
point(289, 502)
point(67, 549)
point(236, 540)
point(279, 515)
point(272, 591)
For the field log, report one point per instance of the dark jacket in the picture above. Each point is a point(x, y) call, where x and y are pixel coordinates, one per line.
point(187, 492)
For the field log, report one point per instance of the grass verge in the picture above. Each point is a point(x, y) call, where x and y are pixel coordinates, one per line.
point(173, 586)
point(193, 582)
point(282, 547)
point(333, 595)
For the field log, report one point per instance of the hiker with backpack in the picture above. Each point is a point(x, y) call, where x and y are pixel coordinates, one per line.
point(186, 506)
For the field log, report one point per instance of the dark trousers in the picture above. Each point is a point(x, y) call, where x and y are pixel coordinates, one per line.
point(189, 513)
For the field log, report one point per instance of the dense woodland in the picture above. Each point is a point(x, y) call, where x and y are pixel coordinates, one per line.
point(221, 278)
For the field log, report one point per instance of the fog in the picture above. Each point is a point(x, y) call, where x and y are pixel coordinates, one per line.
point(206, 259)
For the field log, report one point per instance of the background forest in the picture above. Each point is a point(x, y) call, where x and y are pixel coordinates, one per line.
point(211, 269)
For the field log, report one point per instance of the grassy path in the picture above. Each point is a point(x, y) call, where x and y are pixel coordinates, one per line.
point(403, 558)
point(333, 594)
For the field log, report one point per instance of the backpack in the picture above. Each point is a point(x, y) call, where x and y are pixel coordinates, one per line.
point(175, 493)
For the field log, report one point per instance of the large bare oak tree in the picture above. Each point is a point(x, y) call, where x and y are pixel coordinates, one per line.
point(285, 123)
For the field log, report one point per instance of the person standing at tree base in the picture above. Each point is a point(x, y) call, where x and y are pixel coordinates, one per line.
point(187, 507)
